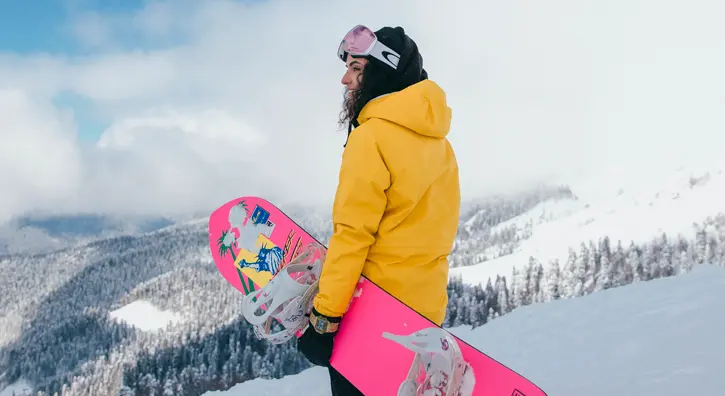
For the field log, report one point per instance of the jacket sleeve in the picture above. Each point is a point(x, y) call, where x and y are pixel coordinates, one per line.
point(359, 204)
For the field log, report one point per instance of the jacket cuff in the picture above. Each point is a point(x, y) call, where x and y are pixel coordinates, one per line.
point(321, 311)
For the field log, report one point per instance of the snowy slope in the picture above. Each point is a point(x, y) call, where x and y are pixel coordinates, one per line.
point(659, 338)
point(18, 388)
point(637, 212)
point(546, 211)
point(144, 315)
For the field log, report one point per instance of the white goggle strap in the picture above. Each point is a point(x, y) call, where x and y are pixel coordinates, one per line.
point(384, 54)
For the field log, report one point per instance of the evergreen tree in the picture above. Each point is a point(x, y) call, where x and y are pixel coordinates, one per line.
point(604, 275)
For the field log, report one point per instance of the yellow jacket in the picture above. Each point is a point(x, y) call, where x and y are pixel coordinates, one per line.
point(396, 208)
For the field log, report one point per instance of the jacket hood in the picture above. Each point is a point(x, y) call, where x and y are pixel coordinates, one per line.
point(420, 107)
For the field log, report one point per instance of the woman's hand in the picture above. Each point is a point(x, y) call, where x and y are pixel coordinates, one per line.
point(317, 347)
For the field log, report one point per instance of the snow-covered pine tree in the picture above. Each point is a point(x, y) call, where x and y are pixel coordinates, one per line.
point(604, 275)
point(553, 282)
point(618, 264)
point(513, 289)
point(536, 282)
point(648, 260)
point(634, 264)
point(592, 266)
point(520, 285)
point(504, 306)
point(665, 260)
point(570, 282)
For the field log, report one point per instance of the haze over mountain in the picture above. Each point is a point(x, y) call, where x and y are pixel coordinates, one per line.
point(43, 232)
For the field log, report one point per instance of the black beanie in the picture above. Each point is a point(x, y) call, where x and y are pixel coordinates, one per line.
point(410, 67)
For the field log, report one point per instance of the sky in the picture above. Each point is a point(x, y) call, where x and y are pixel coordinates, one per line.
point(159, 107)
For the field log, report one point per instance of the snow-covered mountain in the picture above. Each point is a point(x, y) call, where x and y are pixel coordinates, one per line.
point(657, 338)
point(130, 312)
point(495, 226)
point(148, 313)
point(35, 233)
point(678, 205)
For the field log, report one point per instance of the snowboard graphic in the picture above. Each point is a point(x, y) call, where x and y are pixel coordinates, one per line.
point(251, 240)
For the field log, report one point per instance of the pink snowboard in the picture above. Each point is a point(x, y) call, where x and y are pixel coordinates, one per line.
point(251, 240)
point(377, 366)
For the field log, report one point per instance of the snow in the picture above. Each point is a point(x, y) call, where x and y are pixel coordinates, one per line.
point(549, 210)
point(311, 382)
point(19, 387)
point(661, 338)
point(637, 213)
point(144, 315)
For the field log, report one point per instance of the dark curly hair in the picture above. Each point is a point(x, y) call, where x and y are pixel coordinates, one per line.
point(372, 82)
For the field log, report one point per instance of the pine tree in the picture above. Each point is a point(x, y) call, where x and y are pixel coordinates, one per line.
point(520, 286)
point(492, 314)
point(553, 281)
point(604, 275)
point(503, 296)
point(688, 259)
point(634, 265)
point(570, 279)
point(619, 265)
point(514, 286)
point(666, 264)
point(590, 273)
point(535, 283)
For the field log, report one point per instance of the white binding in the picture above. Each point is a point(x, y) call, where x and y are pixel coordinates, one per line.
point(286, 298)
point(438, 367)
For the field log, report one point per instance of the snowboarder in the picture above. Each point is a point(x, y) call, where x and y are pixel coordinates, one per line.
point(397, 204)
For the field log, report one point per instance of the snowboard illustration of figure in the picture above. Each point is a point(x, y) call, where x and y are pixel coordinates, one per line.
point(267, 260)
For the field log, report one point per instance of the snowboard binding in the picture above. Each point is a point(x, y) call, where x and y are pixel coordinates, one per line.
point(286, 298)
point(438, 368)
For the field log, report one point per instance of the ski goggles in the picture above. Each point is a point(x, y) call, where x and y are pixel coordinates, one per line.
point(361, 41)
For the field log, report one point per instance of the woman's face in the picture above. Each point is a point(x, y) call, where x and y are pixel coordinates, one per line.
point(353, 74)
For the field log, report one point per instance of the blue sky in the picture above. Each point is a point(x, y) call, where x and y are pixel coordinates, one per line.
point(46, 27)
point(30, 27)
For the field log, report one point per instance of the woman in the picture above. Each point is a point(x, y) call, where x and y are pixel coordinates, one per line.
point(397, 204)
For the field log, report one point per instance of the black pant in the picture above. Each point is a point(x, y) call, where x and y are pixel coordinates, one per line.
point(341, 386)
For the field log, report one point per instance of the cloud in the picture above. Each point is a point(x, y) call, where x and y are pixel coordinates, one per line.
point(211, 100)
point(174, 161)
point(39, 162)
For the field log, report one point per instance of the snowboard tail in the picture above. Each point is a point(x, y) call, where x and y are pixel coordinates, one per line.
point(377, 366)
point(251, 240)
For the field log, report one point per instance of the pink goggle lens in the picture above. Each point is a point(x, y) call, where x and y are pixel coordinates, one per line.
point(357, 41)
